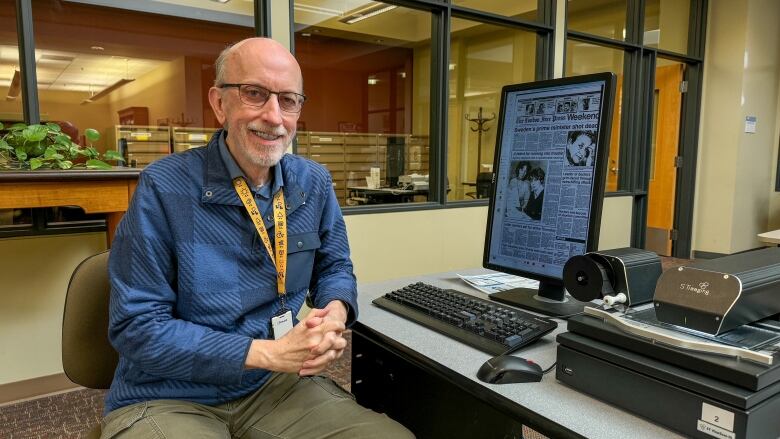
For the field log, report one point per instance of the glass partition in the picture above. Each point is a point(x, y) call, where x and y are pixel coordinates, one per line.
point(139, 78)
point(666, 24)
point(366, 70)
point(483, 59)
point(583, 58)
point(11, 101)
point(605, 18)
point(523, 9)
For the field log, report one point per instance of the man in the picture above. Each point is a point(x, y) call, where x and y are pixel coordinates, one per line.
point(202, 299)
point(580, 148)
point(535, 203)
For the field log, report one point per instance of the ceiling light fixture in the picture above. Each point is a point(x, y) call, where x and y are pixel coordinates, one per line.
point(221, 1)
point(15, 87)
point(110, 88)
point(368, 12)
point(106, 91)
point(317, 10)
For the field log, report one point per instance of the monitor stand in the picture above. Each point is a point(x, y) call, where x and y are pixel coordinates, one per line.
point(549, 299)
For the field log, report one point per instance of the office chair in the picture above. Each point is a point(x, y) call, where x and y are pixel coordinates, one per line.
point(484, 184)
point(88, 358)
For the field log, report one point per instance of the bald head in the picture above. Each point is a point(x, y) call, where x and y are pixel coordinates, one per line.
point(251, 51)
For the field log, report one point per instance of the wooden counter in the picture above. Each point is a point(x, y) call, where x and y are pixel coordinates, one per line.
point(95, 191)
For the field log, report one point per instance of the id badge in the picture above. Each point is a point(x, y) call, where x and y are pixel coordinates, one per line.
point(281, 322)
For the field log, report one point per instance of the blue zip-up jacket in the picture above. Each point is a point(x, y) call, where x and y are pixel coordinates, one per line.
point(192, 283)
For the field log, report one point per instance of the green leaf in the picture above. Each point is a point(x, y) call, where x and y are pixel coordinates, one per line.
point(17, 127)
point(53, 127)
point(92, 134)
point(5, 145)
point(34, 133)
point(112, 155)
point(65, 164)
point(35, 149)
point(20, 153)
point(49, 153)
point(97, 164)
point(62, 139)
point(1, 125)
point(35, 164)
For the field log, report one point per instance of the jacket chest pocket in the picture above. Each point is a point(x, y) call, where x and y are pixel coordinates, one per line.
point(301, 249)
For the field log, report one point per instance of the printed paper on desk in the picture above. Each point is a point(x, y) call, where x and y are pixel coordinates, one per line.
point(495, 282)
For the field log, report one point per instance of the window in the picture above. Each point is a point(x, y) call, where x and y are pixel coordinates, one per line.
point(483, 59)
point(11, 102)
point(141, 76)
point(132, 75)
point(583, 58)
point(366, 70)
point(522, 9)
point(666, 24)
point(605, 18)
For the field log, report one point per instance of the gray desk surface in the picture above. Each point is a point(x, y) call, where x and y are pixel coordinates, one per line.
point(549, 398)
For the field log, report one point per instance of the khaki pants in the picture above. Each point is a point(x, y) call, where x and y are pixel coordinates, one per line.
point(285, 407)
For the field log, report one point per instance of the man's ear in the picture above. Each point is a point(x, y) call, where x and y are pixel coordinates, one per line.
point(217, 103)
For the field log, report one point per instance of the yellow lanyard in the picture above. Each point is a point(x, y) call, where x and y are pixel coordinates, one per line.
point(280, 219)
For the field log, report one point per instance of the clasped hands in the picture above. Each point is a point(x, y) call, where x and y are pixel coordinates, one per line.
point(308, 347)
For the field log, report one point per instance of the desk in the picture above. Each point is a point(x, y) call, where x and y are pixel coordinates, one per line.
point(95, 191)
point(384, 195)
point(428, 381)
point(772, 237)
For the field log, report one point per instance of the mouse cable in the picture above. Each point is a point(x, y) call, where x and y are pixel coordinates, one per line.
point(546, 371)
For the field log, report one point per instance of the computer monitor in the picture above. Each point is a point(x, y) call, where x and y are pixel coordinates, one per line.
point(550, 163)
point(395, 159)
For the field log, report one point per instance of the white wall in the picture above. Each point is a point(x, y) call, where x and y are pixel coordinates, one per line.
point(734, 180)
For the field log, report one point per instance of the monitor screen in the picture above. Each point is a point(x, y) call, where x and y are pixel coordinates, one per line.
point(548, 189)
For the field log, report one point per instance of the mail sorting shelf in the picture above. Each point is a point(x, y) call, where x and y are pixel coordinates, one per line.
point(145, 144)
point(185, 138)
point(350, 156)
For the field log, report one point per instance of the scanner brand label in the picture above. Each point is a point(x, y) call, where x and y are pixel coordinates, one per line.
point(714, 431)
point(701, 288)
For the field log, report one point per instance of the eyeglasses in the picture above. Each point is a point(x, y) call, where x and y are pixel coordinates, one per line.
point(257, 96)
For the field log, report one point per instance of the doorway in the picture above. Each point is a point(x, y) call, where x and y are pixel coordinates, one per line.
point(665, 142)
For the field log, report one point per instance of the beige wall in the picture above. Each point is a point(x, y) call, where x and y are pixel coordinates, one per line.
point(163, 90)
point(741, 78)
point(35, 274)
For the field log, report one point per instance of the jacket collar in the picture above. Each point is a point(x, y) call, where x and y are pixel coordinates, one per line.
point(218, 184)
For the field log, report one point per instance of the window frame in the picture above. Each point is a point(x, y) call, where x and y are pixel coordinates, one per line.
point(639, 62)
point(441, 14)
point(636, 124)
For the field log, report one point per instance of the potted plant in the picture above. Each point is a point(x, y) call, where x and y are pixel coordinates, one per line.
point(45, 146)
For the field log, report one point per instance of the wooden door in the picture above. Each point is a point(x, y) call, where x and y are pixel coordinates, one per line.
point(614, 139)
point(665, 143)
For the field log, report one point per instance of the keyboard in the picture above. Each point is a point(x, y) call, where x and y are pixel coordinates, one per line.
point(480, 323)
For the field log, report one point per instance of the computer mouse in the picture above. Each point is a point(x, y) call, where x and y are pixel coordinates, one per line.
point(505, 369)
